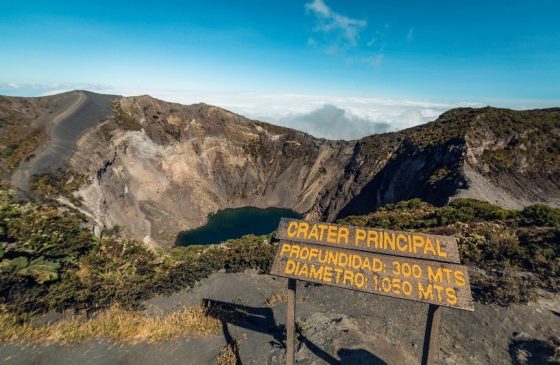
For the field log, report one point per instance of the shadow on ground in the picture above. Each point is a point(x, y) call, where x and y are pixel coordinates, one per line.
point(261, 319)
point(525, 350)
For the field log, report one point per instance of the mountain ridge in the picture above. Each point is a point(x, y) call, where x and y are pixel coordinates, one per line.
point(156, 168)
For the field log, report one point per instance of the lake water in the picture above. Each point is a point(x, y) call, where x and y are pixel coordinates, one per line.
point(234, 223)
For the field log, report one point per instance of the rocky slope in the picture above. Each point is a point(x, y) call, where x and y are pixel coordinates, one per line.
point(156, 168)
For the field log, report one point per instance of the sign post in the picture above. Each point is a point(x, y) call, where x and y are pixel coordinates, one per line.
point(290, 321)
point(431, 336)
point(404, 265)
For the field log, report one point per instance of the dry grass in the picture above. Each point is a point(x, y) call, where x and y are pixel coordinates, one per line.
point(24, 148)
point(276, 298)
point(229, 355)
point(113, 324)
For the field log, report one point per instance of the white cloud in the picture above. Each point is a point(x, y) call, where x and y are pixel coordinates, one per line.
point(37, 89)
point(344, 117)
point(340, 117)
point(332, 122)
point(329, 21)
point(378, 60)
point(410, 35)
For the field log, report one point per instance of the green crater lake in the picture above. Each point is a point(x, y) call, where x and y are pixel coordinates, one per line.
point(233, 223)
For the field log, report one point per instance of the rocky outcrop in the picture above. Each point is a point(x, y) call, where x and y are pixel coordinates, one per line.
point(157, 168)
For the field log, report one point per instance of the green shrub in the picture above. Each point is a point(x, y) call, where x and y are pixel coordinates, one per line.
point(48, 261)
point(541, 215)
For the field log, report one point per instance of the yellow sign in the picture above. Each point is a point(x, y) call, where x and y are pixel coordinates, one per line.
point(425, 281)
point(409, 244)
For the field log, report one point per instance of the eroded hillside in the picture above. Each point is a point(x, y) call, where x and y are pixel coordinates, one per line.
point(156, 168)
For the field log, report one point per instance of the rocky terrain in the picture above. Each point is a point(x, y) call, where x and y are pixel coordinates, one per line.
point(338, 326)
point(156, 168)
point(67, 296)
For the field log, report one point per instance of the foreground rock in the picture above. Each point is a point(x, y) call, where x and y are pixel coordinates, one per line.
point(337, 327)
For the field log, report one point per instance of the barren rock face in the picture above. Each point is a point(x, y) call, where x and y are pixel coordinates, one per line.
point(182, 163)
point(157, 168)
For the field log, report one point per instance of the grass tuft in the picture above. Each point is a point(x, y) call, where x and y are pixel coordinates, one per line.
point(115, 324)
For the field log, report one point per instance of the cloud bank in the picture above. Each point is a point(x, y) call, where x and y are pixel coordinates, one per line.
point(324, 116)
point(332, 122)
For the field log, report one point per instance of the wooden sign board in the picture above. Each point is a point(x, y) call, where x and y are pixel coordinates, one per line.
point(431, 282)
point(404, 265)
point(408, 244)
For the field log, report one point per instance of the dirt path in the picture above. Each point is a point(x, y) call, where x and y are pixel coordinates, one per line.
point(339, 327)
point(82, 111)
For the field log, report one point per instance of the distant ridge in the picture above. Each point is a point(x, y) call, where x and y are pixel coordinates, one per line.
point(156, 168)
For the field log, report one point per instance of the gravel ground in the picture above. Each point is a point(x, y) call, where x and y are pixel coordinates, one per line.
point(338, 327)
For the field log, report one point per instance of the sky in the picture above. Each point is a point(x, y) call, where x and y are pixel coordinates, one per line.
point(335, 68)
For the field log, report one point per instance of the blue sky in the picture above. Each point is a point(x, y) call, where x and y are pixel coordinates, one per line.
point(446, 53)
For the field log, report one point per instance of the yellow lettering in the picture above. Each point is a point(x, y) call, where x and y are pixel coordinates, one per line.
point(304, 253)
point(360, 236)
point(460, 278)
point(435, 277)
point(303, 270)
point(343, 259)
point(292, 228)
point(356, 261)
point(401, 239)
point(348, 276)
point(447, 273)
point(316, 273)
point(439, 292)
point(440, 252)
point(302, 230)
point(429, 247)
point(322, 228)
point(295, 251)
point(331, 235)
point(359, 280)
point(366, 264)
point(427, 293)
point(451, 295)
point(290, 267)
point(343, 235)
point(313, 253)
point(327, 274)
point(314, 233)
point(285, 248)
point(372, 236)
point(417, 242)
point(377, 265)
point(338, 274)
point(332, 258)
point(389, 238)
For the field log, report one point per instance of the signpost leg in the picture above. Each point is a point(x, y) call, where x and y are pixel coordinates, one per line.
point(290, 321)
point(431, 336)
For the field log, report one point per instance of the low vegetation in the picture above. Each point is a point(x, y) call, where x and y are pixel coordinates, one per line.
point(50, 186)
point(512, 254)
point(17, 152)
point(113, 324)
point(50, 262)
point(125, 118)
